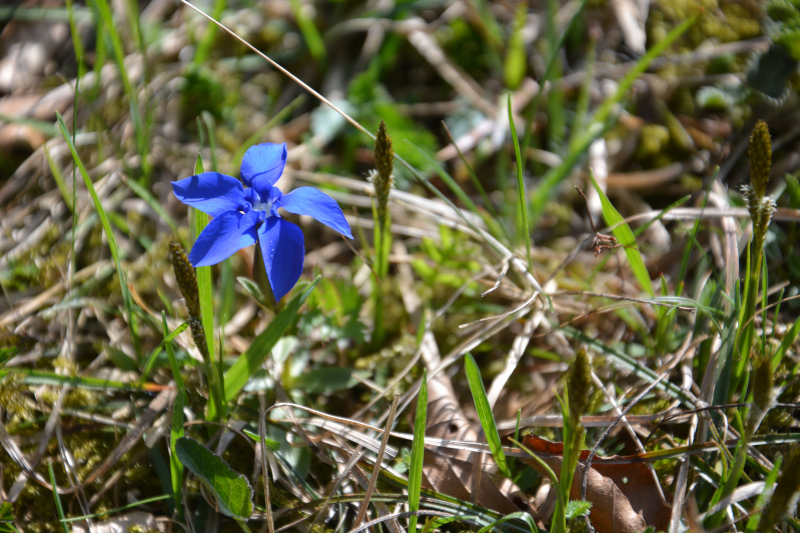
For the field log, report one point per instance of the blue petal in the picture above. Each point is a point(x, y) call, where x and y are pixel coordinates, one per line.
point(283, 250)
point(318, 205)
point(262, 166)
point(210, 192)
point(223, 237)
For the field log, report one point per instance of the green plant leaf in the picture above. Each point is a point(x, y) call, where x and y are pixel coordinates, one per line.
point(168, 337)
point(625, 236)
point(269, 443)
point(417, 452)
point(576, 508)
point(522, 203)
point(120, 359)
point(112, 240)
point(250, 361)
point(485, 414)
point(325, 380)
point(233, 491)
point(253, 290)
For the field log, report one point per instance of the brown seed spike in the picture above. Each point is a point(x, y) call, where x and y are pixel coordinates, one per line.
point(579, 383)
point(187, 281)
point(384, 155)
point(759, 152)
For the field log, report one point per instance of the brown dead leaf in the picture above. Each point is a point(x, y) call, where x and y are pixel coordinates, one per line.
point(453, 472)
point(624, 496)
point(460, 473)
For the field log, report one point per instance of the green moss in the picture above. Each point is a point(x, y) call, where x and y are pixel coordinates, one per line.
point(14, 400)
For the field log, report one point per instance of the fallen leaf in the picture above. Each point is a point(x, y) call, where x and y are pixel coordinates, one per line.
point(457, 472)
point(624, 496)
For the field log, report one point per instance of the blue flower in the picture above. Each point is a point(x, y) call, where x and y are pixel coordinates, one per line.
point(243, 215)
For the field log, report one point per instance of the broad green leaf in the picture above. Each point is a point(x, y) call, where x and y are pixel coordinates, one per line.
point(625, 236)
point(250, 361)
point(485, 414)
point(417, 452)
point(233, 491)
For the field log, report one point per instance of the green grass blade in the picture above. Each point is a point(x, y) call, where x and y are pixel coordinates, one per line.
point(204, 275)
point(311, 35)
point(41, 377)
point(143, 193)
point(786, 343)
point(454, 187)
point(522, 516)
point(140, 132)
point(210, 35)
point(769, 485)
point(417, 452)
point(151, 360)
point(474, 178)
point(250, 361)
point(58, 176)
point(600, 120)
point(521, 197)
point(625, 361)
point(112, 241)
point(59, 508)
point(176, 428)
point(553, 56)
point(625, 236)
point(485, 414)
point(641, 229)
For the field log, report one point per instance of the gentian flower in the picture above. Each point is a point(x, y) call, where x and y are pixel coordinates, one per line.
point(243, 215)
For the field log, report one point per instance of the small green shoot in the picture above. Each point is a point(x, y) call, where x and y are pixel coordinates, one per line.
point(485, 414)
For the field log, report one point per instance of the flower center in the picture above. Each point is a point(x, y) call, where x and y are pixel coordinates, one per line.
point(257, 203)
point(260, 205)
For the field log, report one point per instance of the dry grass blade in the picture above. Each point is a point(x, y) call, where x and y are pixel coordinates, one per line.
point(362, 512)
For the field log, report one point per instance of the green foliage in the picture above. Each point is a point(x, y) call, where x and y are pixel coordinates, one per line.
point(201, 91)
point(578, 508)
point(325, 380)
point(232, 491)
point(485, 414)
point(7, 518)
point(249, 361)
point(625, 237)
point(452, 260)
point(71, 330)
point(373, 104)
point(416, 461)
point(333, 314)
